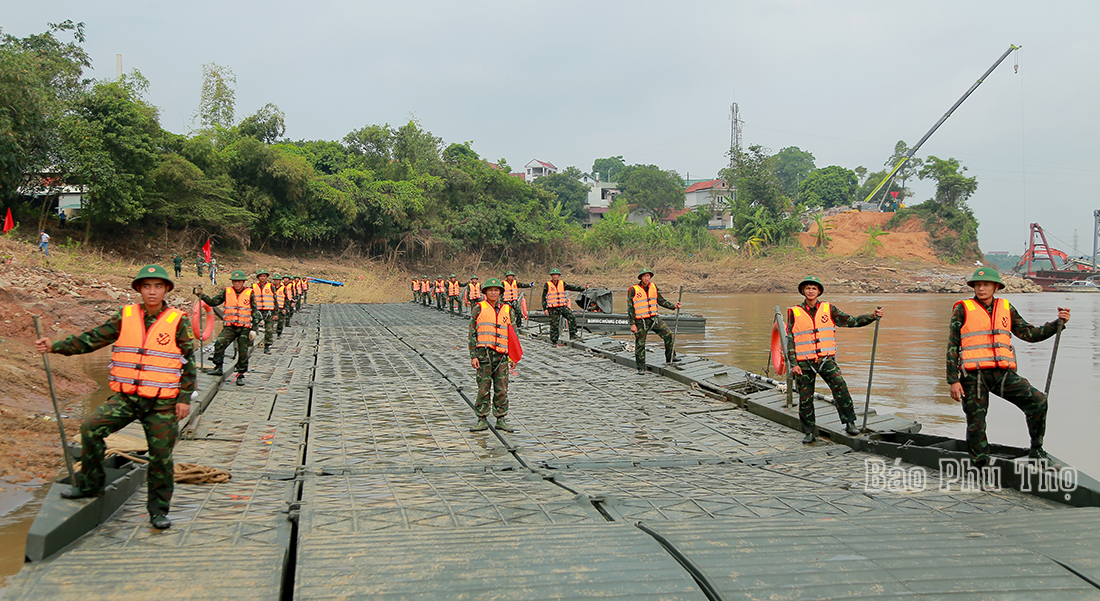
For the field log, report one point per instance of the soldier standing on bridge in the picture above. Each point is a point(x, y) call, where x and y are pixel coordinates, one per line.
point(240, 306)
point(980, 358)
point(152, 375)
point(425, 291)
point(454, 290)
point(812, 328)
point(488, 342)
point(263, 293)
point(280, 303)
point(556, 305)
point(511, 294)
point(641, 311)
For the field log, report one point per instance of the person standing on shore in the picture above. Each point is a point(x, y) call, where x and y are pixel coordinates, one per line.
point(152, 375)
point(811, 326)
point(200, 260)
point(641, 312)
point(488, 342)
point(263, 293)
point(240, 306)
point(177, 264)
point(980, 358)
point(556, 305)
point(511, 294)
point(213, 271)
point(44, 242)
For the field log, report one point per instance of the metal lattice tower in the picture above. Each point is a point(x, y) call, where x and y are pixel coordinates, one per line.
point(735, 131)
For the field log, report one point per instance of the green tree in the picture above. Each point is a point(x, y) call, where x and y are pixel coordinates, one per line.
point(821, 236)
point(372, 144)
point(39, 79)
point(608, 168)
point(266, 125)
point(217, 98)
point(182, 196)
point(792, 166)
point(870, 248)
point(754, 177)
point(650, 187)
point(871, 180)
point(831, 186)
point(953, 188)
point(568, 191)
point(911, 167)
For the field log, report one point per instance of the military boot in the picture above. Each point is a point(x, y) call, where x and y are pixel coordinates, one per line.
point(672, 358)
point(160, 521)
point(850, 429)
point(76, 493)
point(503, 425)
point(481, 425)
point(811, 436)
point(215, 371)
point(240, 379)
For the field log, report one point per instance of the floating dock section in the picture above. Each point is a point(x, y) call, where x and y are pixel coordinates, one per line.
point(355, 477)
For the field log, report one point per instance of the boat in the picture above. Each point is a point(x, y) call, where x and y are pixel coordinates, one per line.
point(1063, 269)
point(1088, 285)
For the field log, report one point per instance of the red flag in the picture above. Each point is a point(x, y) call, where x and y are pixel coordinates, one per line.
point(515, 351)
point(779, 362)
point(8, 222)
point(894, 193)
point(206, 250)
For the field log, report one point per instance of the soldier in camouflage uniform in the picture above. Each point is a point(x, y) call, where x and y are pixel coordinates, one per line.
point(512, 297)
point(158, 416)
point(280, 303)
point(234, 329)
point(812, 353)
point(265, 316)
point(561, 308)
point(993, 367)
point(641, 325)
point(491, 364)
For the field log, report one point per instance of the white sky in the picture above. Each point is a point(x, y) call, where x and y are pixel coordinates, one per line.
point(569, 82)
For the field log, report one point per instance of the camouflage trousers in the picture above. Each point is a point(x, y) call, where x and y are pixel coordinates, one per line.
point(453, 303)
point(267, 318)
point(280, 320)
point(492, 371)
point(556, 313)
point(228, 335)
point(439, 296)
point(1013, 388)
point(659, 328)
point(804, 384)
point(160, 433)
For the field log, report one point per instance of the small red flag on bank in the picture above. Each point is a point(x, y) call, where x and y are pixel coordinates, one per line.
point(206, 250)
point(8, 222)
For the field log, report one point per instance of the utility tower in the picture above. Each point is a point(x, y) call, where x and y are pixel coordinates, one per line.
point(735, 131)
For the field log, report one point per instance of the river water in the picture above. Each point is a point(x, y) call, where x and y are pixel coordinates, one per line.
point(909, 375)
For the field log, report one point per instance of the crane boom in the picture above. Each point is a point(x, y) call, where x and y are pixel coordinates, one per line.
point(913, 150)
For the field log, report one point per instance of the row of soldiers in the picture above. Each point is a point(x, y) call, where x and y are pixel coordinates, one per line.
point(272, 300)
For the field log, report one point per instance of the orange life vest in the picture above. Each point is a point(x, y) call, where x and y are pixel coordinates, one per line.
point(987, 340)
point(298, 288)
point(474, 291)
point(555, 295)
point(492, 326)
point(645, 300)
point(265, 296)
point(280, 296)
point(148, 364)
point(238, 308)
point(426, 286)
point(453, 288)
point(416, 285)
point(511, 291)
point(813, 338)
point(439, 286)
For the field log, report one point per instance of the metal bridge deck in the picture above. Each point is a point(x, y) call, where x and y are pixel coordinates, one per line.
point(354, 477)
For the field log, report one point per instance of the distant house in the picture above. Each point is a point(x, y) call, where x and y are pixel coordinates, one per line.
point(600, 194)
point(49, 187)
point(705, 193)
point(536, 169)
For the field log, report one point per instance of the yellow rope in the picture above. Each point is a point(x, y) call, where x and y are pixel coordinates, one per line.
point(185, 473)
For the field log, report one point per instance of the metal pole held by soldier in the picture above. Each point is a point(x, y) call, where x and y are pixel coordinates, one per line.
point(870, 374)
point(56, 409)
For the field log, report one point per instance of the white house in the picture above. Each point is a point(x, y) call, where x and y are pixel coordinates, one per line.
point(705, 193)
point(600, 194)
point(536, 169)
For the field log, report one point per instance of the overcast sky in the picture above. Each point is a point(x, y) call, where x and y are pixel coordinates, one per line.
point(569, 82)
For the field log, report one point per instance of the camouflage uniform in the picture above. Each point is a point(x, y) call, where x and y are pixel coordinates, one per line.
point(1006, 383)
point(556, 313)
point(517, 314)
point(648, 324)
point(492, 371)
point(177, 264)
point(233, 333)
point(199, 262)
point(827, 368)
point(157, 416)
point(454, 301)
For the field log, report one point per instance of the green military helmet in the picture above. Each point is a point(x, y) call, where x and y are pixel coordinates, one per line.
point(238, 275)
point(452, 276)
point(276, 276)
point(985, 274)
point(492, 283)
point(555, 271)
point(645, 271)
point(473, 277)
point(260, 272)
point(811, 279)
point(152, 271)
point(509, 273)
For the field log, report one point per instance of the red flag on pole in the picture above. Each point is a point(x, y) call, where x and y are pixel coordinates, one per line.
point(8, 222)
point(206, 250)
point(515, 351)
point(894, 193)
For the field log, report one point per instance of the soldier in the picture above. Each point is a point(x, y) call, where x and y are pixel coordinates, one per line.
point(425, 291)
point(263, 293)
point(288, 294)
point(152, 374)
point(488, 341)
point(511, 294)
point(240, 305)
point(473, 292)
point(200, 260)
point(453, 291)
point(299, 292)
point(980, 343)
point(415, 283)
point(811, 326)
point(213, 271)
point(280, 303)
point(440, 292)
point(641, 311)
point(177, 263)
point(556, 305)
